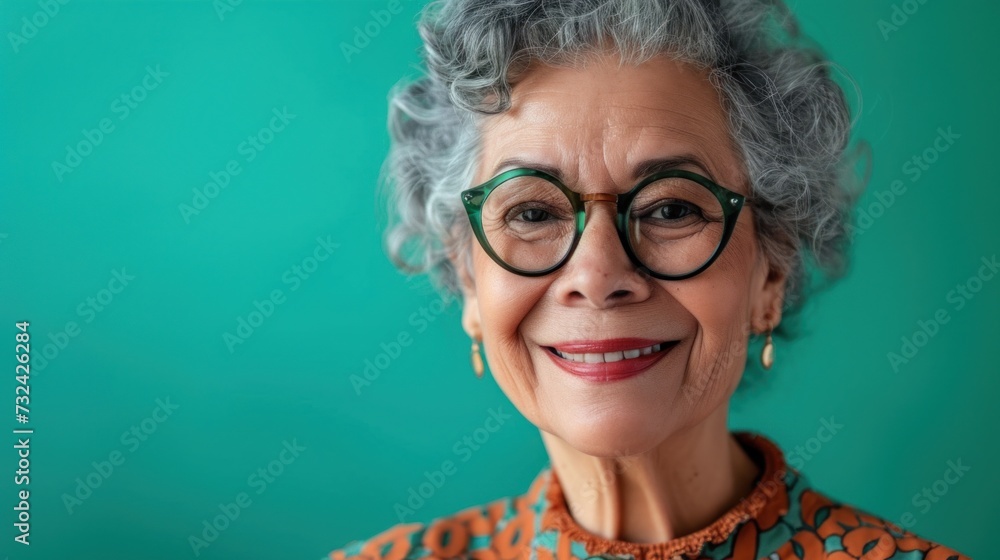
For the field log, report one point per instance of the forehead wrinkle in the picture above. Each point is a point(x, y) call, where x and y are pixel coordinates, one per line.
point(616, 112)
point(702, 132)
point(582, 140)
point(617, 149)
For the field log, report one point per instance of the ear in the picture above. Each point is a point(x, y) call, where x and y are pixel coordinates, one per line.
point(470, 302)
point(768, 296)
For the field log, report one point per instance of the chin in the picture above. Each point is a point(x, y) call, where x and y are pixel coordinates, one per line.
point(621, 422)
point(619, 435)
point(614, 418)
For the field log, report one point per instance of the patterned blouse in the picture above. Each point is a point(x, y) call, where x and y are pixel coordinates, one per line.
point(783, 518)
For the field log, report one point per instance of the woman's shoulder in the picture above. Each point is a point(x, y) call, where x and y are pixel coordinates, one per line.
point(492, 524)
point(828, 528)
point(504, 526)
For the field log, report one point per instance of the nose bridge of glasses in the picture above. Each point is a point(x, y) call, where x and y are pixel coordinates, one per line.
point(611, 224)
point(599, 197)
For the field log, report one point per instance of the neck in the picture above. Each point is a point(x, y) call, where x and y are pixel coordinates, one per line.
point(678, 487)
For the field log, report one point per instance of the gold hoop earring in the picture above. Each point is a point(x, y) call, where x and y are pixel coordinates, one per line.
point(477, 359)
point(767, 353)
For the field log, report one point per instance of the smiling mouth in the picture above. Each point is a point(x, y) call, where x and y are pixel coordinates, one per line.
point(609, 357)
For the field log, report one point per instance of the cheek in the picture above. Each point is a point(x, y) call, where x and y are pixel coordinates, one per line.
point(505, 300)
point(721, 297)
point(720, 301)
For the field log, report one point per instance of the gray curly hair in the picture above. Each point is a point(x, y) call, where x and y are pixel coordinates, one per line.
point(788, 117)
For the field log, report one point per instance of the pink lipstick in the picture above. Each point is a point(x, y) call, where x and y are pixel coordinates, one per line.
point(609, 359)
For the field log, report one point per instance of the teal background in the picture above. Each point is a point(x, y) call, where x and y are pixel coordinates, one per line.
point(161, 337)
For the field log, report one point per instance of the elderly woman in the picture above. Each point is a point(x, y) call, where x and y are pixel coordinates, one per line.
point(626, 195)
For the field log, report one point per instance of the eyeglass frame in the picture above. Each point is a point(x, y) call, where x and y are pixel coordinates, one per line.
point(732, 203)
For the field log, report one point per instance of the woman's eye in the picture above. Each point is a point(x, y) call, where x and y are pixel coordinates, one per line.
point(673, 211)
point(533, 215)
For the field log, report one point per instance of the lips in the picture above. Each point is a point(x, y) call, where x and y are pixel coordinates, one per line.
point(609, 359)
point(614, 356)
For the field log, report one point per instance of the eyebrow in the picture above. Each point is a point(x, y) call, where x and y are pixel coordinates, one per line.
point(640, 170)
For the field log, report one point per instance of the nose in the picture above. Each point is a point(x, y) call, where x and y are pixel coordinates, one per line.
point(599, 274)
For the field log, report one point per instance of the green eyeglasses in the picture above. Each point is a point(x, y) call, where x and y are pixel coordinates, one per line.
point(672, 224)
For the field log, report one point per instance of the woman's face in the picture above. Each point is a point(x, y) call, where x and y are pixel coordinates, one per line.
point(595, 125)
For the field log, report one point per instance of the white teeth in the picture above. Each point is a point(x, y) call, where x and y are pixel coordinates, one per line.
point(614, 356)
point(596, 358)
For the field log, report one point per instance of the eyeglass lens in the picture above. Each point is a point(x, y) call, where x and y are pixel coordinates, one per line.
point(674, 225)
